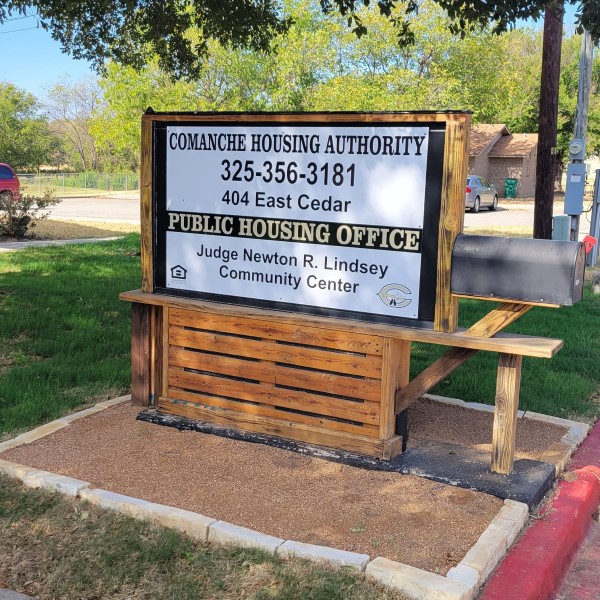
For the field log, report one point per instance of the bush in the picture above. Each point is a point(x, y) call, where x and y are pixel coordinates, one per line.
point(19, 217)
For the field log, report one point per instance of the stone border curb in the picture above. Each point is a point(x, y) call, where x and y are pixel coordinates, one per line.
point(54, 483)
point(460, 583)
point(228, 534)
point(338, 558)
point(193, 524)
point(576, 434)
point(417, 583)
point(463, 581)
point(58, 424)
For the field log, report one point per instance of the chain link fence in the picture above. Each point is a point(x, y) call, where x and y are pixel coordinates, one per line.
point(79, 184)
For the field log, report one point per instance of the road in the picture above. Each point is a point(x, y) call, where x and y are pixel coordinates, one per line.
point(126, 209)
point(115, 209)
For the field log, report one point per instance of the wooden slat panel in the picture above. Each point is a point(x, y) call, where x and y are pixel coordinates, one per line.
point(510, 343)
point(362, 412)
point(274, 330)
point(269, 350)
point(265, 410)
point(286, 429)
point(268, 372)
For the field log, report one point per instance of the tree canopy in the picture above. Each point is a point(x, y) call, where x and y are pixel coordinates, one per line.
point(178, 32)
point(25, 136)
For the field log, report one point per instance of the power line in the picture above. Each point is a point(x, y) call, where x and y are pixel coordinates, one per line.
point(17, 30)
point(25, 16)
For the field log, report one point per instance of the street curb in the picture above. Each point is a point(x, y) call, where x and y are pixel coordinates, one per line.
point(535, 567)
point(589, 452)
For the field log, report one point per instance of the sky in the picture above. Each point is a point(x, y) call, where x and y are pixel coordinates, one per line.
point(33, 61)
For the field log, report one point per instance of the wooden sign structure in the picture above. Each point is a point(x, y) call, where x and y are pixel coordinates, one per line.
point(288, 262)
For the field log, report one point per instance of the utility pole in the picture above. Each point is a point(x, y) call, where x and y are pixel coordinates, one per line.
point(547, 124)
point(576, 171)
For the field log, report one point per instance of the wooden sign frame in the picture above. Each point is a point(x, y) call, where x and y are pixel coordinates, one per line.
point(339, 382)
point(300, 375)
point(455, 126)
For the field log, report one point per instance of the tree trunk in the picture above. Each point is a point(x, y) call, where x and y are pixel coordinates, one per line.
point(547, 124)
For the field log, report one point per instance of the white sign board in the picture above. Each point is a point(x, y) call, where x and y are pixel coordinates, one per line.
point(320, 216)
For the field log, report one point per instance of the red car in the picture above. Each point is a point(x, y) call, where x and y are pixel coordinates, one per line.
point(9, 183)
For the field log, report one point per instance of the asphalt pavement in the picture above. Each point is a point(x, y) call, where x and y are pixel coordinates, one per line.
point(125, 208)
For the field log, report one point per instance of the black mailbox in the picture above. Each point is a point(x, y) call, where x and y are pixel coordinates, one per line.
point(519, 269)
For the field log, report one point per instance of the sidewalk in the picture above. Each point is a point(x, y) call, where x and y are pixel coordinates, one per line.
point(557, 558)
point(10, 246)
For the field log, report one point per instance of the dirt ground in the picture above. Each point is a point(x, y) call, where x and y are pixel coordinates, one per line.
point(401, 517)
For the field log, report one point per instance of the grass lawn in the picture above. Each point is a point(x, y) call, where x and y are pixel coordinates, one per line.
point(64, 334)
point(64, 344)
point(54, 547)
point(65, 339)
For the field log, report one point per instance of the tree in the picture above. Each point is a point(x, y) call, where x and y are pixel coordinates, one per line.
point(25, 137)
point(320, 64)
point(133, 32)
point(238, 79)
point(71, 107)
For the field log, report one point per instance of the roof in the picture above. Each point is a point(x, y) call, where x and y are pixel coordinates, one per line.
point(483, 135)
point(515, 144)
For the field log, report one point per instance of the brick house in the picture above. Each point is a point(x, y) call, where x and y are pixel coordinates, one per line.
point(497, 155)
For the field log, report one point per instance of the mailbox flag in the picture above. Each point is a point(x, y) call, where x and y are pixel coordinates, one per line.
point(588, 243)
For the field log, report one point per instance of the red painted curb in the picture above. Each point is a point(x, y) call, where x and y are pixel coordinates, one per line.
point(534, 568)
point(589, 451)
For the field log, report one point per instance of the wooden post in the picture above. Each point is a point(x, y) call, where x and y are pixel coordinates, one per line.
point(147, 353)
point(508, 384)
point(395, 375)
point(146, 207)
point(452, 215)
point(140, 354)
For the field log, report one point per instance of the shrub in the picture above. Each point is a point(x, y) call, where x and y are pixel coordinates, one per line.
point(21, 216)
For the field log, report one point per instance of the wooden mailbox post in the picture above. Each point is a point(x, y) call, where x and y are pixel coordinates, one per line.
point(288, 262)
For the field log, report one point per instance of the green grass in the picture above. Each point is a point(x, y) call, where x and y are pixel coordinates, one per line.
point(64, 334)
point(65, 339)
point(54, 547)
point(566, 385)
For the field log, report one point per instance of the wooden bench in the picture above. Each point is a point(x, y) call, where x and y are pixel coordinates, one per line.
point(331, 382)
